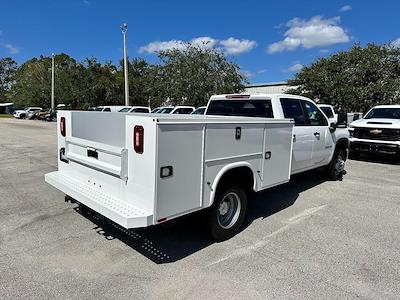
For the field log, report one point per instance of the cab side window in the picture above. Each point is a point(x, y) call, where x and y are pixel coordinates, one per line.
point(314, 116)
point(292, 109)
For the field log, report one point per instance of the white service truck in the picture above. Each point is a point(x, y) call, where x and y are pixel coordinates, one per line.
point(145, 169)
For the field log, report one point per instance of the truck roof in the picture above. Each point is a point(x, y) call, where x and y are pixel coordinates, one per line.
point(256, 96)
point(388, 106)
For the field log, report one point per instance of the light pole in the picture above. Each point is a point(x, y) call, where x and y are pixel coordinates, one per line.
point(124, 28)
point(52, 82)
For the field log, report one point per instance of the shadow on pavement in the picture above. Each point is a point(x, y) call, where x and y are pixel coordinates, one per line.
point(189, 235)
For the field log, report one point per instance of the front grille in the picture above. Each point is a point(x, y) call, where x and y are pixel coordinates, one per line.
point(383, 134)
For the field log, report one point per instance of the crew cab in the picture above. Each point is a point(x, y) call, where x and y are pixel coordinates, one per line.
point(146, 169)
point(377, 132)
point(22, 114)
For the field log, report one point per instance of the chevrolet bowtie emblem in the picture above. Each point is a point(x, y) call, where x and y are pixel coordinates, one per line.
point(376, 131)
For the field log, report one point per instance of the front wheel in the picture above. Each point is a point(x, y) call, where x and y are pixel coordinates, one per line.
point(335, 169)
point(227, 214)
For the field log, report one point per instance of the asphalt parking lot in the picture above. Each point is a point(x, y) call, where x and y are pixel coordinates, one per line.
point(310, 238)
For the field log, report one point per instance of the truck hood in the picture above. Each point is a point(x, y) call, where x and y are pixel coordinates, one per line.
point(377, 123)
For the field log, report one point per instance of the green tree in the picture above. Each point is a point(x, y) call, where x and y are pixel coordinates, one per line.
point(353, 80)
point(192, 74)
point(8, 67)
point(140, 79)
point(32, 82)
point(100, 84)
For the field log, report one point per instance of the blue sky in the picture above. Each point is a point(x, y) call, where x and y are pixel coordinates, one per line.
point(270, 40)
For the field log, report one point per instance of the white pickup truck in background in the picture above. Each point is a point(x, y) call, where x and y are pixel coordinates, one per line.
point(329, 111)
point(142, 170)
point(377, 132)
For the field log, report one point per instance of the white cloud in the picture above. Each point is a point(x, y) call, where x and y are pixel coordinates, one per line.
point(158, 46)
point(295, 68)
point(262, 71)
point(345, 8)
point(315, 32)
point(235, 46)
point(204, 42)
point(12, 49)
point(247, 73)
point(396, 43)
point(231, 45)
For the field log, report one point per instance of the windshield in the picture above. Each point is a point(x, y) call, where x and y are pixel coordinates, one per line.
point(199, 111)
point(126, 109)
point(384, 113)
point(327, 111)
point(165, 110)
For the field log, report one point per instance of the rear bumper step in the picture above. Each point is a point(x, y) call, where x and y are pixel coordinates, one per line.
point(119, 211)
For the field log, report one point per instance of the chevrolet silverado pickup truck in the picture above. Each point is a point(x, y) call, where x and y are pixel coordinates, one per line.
point(145, 169)
point(377, 132)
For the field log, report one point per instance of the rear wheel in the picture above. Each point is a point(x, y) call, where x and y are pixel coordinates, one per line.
point(227, 214)
point(335, 169)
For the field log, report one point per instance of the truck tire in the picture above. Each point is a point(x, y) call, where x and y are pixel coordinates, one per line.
point(335, 169)
point(227, 214)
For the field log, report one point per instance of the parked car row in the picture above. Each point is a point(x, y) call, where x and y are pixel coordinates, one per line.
point(36, 113)
point(182, 110)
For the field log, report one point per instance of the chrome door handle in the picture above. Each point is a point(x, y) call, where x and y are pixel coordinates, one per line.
point(316, 134)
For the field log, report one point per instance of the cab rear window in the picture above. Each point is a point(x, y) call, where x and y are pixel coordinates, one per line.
point(243, 108)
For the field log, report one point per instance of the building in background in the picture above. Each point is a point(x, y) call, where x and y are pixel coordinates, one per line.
point(6, 108)
point(268, 88)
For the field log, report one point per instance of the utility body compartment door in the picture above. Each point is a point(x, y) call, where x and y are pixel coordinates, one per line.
point(277, 154)
point(178, 169)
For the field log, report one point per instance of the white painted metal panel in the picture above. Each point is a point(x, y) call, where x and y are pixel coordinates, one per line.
point(179, 146)
point(221, 141)
point(278, 145)
point(141, 184)
point(106, 128)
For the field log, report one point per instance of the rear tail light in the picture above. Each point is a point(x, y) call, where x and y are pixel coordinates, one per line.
point(62, 126)
point(138, 136)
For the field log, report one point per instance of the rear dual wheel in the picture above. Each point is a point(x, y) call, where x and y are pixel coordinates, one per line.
point(227, 214)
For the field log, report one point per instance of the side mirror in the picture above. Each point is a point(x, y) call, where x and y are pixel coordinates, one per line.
point(332, 127)
point(342, 120)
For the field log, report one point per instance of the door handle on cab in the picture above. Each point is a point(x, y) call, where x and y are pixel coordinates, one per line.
point(317, 134)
